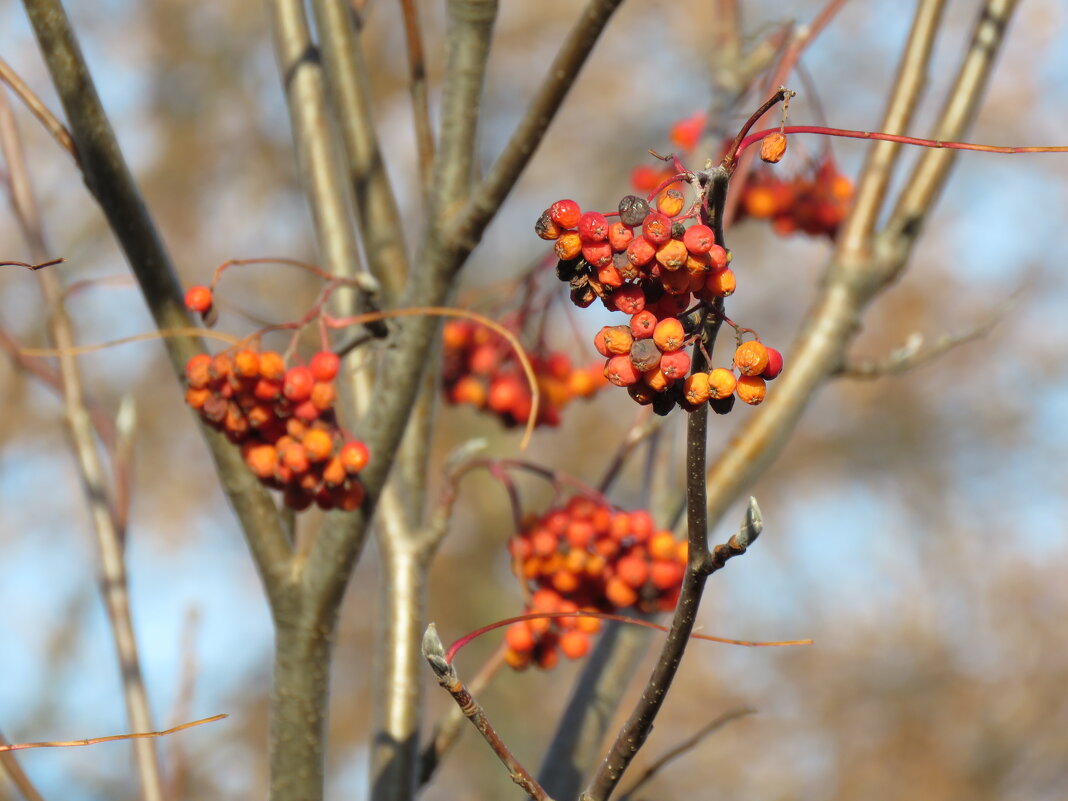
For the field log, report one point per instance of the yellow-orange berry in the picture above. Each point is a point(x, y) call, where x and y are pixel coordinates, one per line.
point(261, 460)
point(751, 389)
point(696, 389)
point(519, 637)
point(334, 472)
point(518, 660)
point(574, 644)
point(721, 283)
point(721, 383)
point(323, 395)
point(545, 227)
point(669, 334)
point(568, 246)
point(246, 363)
point(198, 371)
point(672, 254)
point(318, 444)
point(272, 367)
point(195, 397)
point(619, 593)
point(773, 147)
point(751, 358)
point(670, 202)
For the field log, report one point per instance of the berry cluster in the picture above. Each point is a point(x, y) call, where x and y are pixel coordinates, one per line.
point(650, 265)
point(282, 417)
point(586, 556)
point(481, 369)
point(814, 204)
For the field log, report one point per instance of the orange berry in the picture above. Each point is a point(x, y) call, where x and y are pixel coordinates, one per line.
point(619, 593)
point(721, 283)
point(621, 372)
point(267, 390)
point(196, 398)
point(260, 415)
point(675, 365)
point(261, 460)
point(518, 660)
point(318, 445)
point(574, 644)
point(545, 227)
point(773, 147)
point(519, 637)
point(545, 600)
point(246, 363)
point(699, 239)
point(695, 389)
point(334, 472)
point(641, 525)
point(662, 545)
point(579, 533)
point(718, 258)
point(568, 246)
point(619, 236)
point(565, 581)
point(751, 389)
point(751, 358)
point(656, 380)
point(469, 389)
point(306, 411)
point(323, 395)
point(670, 202)
point(355, 456)
point(669, 334)
point(672, 254)
point(296, 458)
point(197, 371)
point(543, 543)
point(666, 574)
point(589, 625)
point(721, 383)
point(221, 366)
point(633, 570)
point(198, 299)
point(272, 367)
point(643, 324)
point(547, 656)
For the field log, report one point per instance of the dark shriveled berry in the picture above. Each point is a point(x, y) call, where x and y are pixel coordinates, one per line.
point(666, 401)
point(722, 405)
point(632, 210)
point(644, 355)
point(567, 269)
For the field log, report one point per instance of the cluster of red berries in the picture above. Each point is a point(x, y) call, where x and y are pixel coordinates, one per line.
point(283, 418)
point(481, 369)
point(582, 557)
point(814, 203)
point(650, 265)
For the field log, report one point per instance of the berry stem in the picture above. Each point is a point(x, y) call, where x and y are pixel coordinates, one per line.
point(903, 140)
point(736, 148)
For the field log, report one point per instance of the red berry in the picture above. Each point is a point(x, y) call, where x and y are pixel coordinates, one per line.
point(699, 239)
point(774, 364)
point(324, 365)
point(355, 456)
point(593, 227)
point(298, 383)
point(657, 228)
point(565, 213)
point(198, 299)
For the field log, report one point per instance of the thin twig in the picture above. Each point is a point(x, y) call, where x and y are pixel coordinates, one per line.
point(111, 738)
point(434, 653)
point(37, 107)
point(417, 87)
point(684, 747)
point(109, 537)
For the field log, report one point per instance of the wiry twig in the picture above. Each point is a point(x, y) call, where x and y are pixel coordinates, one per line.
point(434, 653)
point(109, 536)
point(37, 107)
point(417, 87)
point(914, 353)
point(684, 747)
point(10, 767)
point(111, 738)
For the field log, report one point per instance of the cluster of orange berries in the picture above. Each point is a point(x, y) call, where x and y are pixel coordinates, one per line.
point(481, 369)
point(588, 557)
point(651, 266)
point(814, 204)
point(283, 418)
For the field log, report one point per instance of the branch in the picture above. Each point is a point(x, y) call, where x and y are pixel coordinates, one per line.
point(110, 537)
point(10, 767)
point(109, 179)
point(417, 87)
point(434, 653)
point(685, 747)
point(37, 107)
point(913, 353)
point(849, 286)
point(375, 204)
point(494, 188)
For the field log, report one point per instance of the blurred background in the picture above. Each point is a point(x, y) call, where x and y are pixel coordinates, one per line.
point(915, 525)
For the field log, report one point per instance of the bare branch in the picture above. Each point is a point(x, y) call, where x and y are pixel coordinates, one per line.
point(684, 747)
point(109, 536)
point(417, 87)
point(110, 181)
point(34, 103)
point(434, 653)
